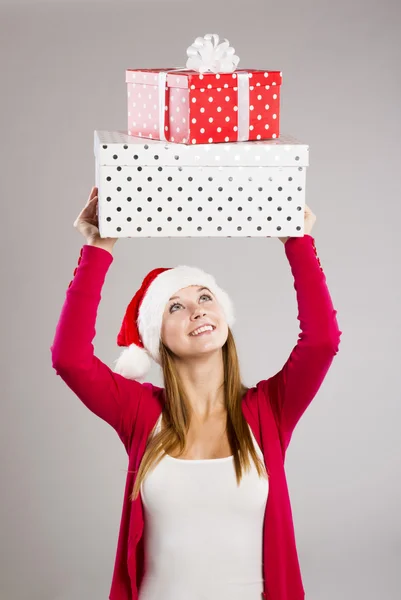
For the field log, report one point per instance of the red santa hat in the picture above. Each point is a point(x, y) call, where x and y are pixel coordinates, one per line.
point(141, 328)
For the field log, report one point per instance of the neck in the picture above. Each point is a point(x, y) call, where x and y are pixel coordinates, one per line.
point(203, 381)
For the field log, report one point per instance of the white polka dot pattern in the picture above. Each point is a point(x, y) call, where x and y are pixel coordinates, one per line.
point(150, 188)
point(202, 108)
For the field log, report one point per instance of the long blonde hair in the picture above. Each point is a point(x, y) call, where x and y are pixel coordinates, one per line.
point(177, 413)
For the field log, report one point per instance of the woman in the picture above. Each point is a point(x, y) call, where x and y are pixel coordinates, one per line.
point(206, 511)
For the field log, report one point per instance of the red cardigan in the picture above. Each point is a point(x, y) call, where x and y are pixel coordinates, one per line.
point(272, 408)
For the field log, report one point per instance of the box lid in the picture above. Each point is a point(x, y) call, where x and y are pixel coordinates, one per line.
point(182, 78)
point(120, 149)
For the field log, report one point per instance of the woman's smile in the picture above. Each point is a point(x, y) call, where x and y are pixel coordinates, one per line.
point(207, 329)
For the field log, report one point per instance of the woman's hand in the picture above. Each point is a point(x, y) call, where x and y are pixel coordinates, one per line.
point(309, 221)
point(87, 223)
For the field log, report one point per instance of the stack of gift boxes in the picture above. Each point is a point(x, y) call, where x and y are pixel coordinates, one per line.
point(203, 154)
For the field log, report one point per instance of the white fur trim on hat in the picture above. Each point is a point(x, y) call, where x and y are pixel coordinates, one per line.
point(160, 291)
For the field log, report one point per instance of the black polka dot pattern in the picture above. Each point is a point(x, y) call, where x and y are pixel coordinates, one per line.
point(252, 189)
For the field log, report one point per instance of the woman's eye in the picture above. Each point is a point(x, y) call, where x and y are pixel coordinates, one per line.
point(178, 304)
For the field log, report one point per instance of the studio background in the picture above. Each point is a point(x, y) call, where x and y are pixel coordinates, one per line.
point(62, 68)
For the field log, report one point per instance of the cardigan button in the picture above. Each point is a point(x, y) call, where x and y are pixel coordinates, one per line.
point(75, 271)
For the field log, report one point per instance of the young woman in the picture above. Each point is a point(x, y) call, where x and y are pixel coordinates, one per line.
point(206, 513)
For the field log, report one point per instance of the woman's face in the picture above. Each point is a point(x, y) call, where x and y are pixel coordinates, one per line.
point(189, 309)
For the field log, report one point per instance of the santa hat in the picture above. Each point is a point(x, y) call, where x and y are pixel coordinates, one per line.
point(141, 328)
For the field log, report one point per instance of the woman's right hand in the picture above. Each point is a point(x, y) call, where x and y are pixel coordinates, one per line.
point(87, 223)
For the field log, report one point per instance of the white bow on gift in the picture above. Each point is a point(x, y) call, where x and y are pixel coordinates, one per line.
point(207, 55)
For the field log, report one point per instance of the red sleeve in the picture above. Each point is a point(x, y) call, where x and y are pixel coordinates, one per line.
point(108, 395)
point(293, 388)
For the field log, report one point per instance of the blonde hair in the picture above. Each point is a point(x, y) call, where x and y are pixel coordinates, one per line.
point(177, 414)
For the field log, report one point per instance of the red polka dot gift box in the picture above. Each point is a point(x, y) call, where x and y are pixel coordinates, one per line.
point(209, 102)
point(154, 188)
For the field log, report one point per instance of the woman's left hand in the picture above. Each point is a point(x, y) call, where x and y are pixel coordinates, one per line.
point(309, 221)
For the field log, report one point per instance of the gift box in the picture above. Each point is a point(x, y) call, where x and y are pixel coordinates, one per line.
point(150, 188)
point(212, 104)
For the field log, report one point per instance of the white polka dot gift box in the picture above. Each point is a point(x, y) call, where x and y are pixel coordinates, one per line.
point(151, 188)
point(207, 102)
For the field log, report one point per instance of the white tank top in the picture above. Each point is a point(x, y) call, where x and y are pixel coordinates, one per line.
point(203, 533)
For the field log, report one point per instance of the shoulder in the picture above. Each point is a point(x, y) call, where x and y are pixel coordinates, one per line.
point(257, 402)
point(153, 400)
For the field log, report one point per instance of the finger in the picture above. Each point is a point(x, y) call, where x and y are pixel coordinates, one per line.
point(92, 194)
point(88, 210)
point(90, 204)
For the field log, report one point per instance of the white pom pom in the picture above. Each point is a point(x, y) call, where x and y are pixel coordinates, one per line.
point(133, 363)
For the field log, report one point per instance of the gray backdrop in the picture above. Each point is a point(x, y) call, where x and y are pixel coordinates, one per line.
point(62, 469)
